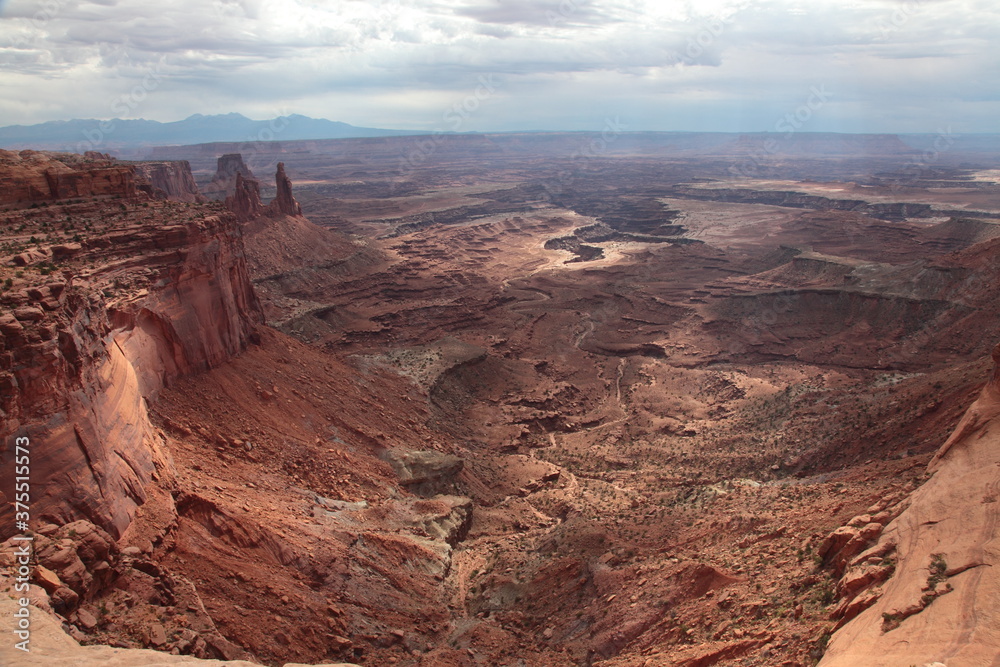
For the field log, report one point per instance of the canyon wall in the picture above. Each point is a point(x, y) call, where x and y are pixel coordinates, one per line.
point(942, 603)
point(173, 179)
point(33, 176)
point(163, 293)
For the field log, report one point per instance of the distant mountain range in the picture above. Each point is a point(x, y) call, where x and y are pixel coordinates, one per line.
point(118, 135)
point(132, 139)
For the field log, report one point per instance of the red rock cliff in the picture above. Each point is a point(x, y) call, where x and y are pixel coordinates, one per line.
point(942, 602)
point(160, 292)
point(33, 176)
point(173, 179)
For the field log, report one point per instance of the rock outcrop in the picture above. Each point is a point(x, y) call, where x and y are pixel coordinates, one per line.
point(83, 350)
point(284, 203)
point(173, 179)
point(223, 184)
point(426, 473)
point(942, 601)
point(445, 518)
point(245, 201)
point(73, 562)
point(51, 646)
point(29, 177)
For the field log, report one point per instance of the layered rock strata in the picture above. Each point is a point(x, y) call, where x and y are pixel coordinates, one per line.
point(92, 329)
point(928, 591)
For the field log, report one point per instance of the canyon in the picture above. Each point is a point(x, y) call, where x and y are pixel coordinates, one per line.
point(519, 399)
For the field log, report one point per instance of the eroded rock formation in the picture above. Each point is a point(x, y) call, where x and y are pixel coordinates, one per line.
point(173, 179)
point(34, 176)
point(284, 203)
point(426, 473)
point(245, 201)
point(942, 601)
point(132, 308)
point(223, 183)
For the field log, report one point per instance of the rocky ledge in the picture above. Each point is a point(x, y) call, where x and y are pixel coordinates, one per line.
point(926, 590)
point(107, 298)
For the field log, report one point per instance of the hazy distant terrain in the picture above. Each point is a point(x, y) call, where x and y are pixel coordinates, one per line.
point(133, 138)
point(80, 135)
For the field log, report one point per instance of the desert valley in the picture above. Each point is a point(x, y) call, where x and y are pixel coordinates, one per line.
point(616, 399)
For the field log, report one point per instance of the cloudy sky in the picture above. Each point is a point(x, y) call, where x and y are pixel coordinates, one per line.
point(727, 65)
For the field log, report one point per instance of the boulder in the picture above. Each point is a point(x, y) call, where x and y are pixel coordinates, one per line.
point(47, 579)
point(65, 250)
point(29, 314)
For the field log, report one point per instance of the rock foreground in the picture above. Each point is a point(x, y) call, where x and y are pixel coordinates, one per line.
point(942, 604)
point(147, 294)
point(50, 645)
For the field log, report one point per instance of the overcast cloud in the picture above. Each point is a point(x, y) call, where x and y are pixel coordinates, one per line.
point(912, 66)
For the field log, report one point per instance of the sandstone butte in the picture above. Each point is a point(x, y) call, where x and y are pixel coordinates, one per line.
point(162, 294)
